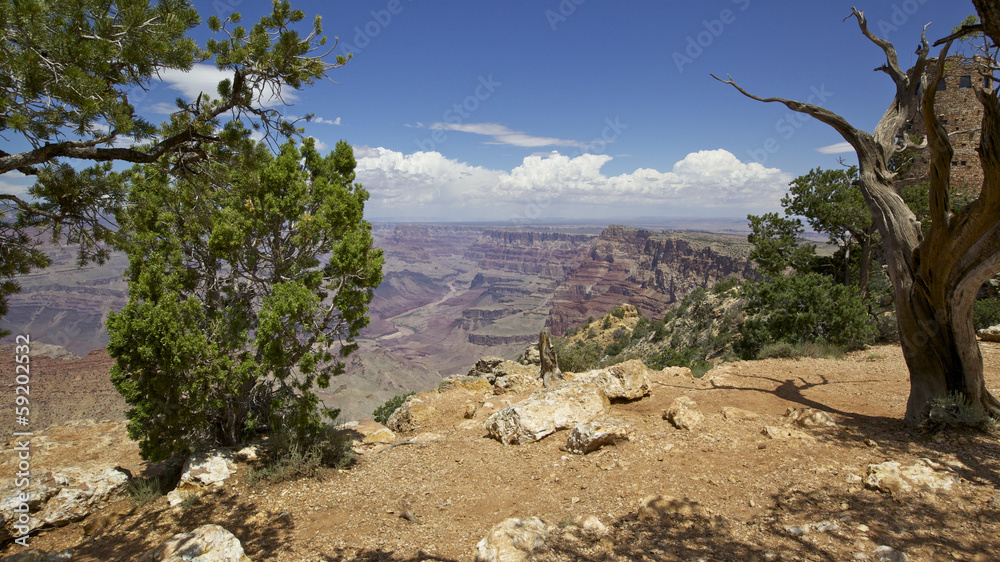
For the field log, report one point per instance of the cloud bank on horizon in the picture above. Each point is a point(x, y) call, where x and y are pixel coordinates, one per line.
point(427, 185)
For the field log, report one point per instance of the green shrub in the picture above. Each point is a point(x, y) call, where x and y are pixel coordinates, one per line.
point(800, 308)
point(668, 357)
point(642, 329)
point(622, 337)
point(954, 411)
point(724, 285)
point(700, 367)
point(786, 350)
point(143, 490)
point(779, 350)
point(290, 458)
point(382, 413)
point(607, 323)
point(618, 312)
point(584, 355)
point(986, 313)
point(659, 331)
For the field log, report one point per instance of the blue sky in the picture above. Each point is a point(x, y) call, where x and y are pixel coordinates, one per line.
point(547, 110)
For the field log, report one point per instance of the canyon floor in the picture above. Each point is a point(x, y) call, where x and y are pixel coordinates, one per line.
point(800, 498)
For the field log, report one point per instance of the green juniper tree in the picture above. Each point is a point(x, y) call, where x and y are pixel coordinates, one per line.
point(244, 277)
point(66, 71)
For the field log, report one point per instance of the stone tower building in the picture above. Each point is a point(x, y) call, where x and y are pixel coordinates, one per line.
point(961, 114)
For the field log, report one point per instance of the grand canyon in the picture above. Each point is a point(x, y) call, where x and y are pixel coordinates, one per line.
point(450, 295)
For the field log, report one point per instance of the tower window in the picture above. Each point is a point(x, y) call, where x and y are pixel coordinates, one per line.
point(942, 85)
point(964, 82)
point(987, 83)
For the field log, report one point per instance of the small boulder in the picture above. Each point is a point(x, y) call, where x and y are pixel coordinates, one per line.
point(36, 555)
point(885, 553)
point(592, 435)
point(733, 414)
point(484, 368)
point(591, 524)
point(991, 334)
point(208, 543)
point(531, 356)
point(684, 414)
point(924, 474)
point(516, 383)
point(201, 472)
point(464, 382)
point(547, 410)
point(411, 414)
point(683, 372)
point(624, 381)
point(784, 433)
point(810, 417)
point(370, 432)
point(513, 540)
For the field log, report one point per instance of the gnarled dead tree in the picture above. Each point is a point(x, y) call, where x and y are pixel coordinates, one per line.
point(935, 275)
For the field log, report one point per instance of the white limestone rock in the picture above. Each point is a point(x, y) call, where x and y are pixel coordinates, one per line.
point(924, 474)
point(625, 381)
point(513, 540)
point(546, 411)
point(201, 472)
point(683, 413)
point(592, 435)
point(208, 543)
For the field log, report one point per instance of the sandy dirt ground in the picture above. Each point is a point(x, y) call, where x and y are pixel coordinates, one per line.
point(760, 498)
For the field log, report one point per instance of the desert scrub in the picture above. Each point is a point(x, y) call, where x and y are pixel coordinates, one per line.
point(382, 413)
point(144, 490)
point(954, 411)
point(289, 458)
point(786, 350)
point(986, 313)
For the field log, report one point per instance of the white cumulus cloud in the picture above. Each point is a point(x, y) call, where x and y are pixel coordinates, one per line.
point(438, 187)
point(205, 78)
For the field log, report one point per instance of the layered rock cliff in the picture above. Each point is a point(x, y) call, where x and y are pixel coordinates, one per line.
point(650, 270)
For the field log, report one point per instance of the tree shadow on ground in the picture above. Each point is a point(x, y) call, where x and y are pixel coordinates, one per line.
point(263, 536)
point(978, 452)
point(380, 555)
point(826, 524)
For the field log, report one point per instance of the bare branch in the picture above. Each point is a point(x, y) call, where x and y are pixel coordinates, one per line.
point(892, 60)
point(941, 150)
point(962, 32)
point(850, 134)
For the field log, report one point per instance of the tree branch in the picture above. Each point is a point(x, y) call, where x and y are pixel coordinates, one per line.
point(850, 134)
point(941, 151)
point(892, 60)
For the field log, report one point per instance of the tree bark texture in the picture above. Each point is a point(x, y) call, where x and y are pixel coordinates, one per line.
point(936, 276)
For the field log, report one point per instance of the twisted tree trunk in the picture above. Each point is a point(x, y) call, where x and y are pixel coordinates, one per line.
point(935, 277)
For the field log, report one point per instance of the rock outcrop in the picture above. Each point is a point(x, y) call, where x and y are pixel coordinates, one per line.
point(651, 270)
point(923, 475)
point(409, 416)
point(208, 543)
point(59, 497)
point(590, 436)
point(546, 411)
point(513, 540)
point(201, 472)
point(624, 381)
point(991, 334)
